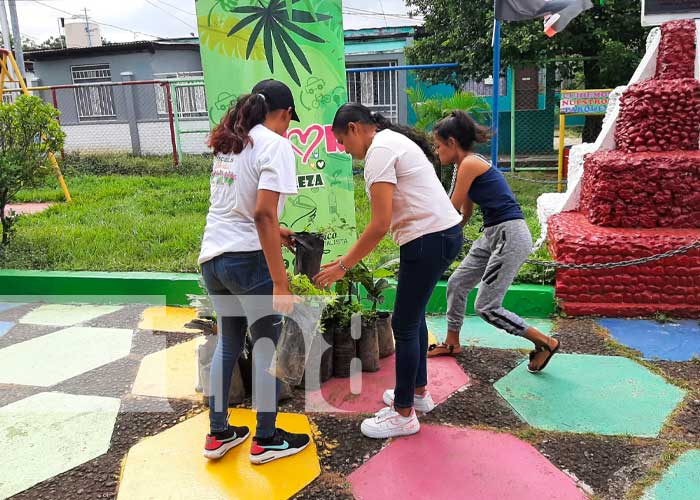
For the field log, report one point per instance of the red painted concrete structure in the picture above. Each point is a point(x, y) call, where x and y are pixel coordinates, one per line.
point(642, 190)
point(641, 199)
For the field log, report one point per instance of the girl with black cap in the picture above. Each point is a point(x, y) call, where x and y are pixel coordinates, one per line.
point(254, 171)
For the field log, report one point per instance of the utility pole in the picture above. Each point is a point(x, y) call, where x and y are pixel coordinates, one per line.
point(19, 53)
point(5, 27)
point(87, 27)
point(61, 24)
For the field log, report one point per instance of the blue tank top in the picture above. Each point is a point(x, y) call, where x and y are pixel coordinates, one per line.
point(493, 194)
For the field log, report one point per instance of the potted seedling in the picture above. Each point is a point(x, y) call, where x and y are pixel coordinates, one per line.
point(337, 320)
point(375, 324)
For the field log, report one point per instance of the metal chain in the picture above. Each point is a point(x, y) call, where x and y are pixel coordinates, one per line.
point(610, 265)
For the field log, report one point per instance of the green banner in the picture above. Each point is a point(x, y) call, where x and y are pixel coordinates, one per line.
point(299, 42)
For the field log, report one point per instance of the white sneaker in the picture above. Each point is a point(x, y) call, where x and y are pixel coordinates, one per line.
point(423, 404)
point(387, 423)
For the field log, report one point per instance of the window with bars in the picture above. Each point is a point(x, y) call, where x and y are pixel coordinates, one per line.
point(191, 101)
point(94, 102)
point(378, 90)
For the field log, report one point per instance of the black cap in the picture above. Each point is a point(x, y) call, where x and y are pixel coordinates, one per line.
point(277, 95)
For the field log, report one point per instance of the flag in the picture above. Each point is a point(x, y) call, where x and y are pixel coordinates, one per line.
point(557, 13)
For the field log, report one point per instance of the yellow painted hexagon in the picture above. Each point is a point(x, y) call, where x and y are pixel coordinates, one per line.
point(171, 465)
point(170, 373)
point(431, 338)
point(168, 319)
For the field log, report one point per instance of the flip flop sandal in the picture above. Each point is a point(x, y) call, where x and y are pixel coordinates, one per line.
point(539, 349)
point(449, 347)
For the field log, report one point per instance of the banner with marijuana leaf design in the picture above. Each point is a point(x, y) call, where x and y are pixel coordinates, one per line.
point(299, 42)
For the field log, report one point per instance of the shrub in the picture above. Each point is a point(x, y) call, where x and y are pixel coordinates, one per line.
point(29, 131)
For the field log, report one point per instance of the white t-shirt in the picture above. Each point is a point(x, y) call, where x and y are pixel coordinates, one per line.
point(420, 204)
point(235, 180)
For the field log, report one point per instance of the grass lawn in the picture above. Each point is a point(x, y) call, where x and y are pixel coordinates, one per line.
point(116, 223)
point(155, 223)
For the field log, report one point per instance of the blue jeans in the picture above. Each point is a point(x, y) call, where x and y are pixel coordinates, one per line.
point(422, 263)
point(238, 276)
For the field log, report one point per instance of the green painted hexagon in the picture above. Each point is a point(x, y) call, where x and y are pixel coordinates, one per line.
point(680, 482)
point(605, 395)
point(476, 332)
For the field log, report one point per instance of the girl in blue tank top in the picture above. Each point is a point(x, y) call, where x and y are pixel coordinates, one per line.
point(496, 257)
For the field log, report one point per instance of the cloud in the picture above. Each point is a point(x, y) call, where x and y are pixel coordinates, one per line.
point(170, 18)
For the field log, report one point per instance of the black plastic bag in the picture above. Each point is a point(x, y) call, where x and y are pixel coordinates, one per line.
point(319, 360)
point(308, 254)
point(368, 346)
point(385, 335)
point(344, 351)
point(290, 356)
point(298, 331)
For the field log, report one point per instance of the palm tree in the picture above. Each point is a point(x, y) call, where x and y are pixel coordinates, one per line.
point(276, 21)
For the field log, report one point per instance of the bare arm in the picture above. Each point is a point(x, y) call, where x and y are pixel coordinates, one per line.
point(467, 210)
point(268, 226)
point(469, 169)
point(382, 204)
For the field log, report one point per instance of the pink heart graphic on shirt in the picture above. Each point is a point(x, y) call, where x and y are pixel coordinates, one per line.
point(303, 137)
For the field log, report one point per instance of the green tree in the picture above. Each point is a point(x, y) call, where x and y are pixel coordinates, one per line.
point(53, 42)
point(609, 41)
point(29, 131)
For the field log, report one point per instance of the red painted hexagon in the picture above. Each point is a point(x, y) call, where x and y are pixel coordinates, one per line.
point(445, 377)
point(452, 463)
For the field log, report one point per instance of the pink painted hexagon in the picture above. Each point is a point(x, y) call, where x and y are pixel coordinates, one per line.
point(487, 465)
point(445, 377)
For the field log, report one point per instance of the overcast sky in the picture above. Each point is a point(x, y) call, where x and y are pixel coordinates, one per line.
point(136, 19)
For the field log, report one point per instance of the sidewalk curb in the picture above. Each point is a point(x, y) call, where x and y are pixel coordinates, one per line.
point(533, 301)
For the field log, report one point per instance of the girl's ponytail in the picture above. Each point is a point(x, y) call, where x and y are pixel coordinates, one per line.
point(463, 129)
point(232, 134)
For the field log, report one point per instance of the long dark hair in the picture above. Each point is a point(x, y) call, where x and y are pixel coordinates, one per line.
point(231, 135)
point(357, 113)
point(462, 127)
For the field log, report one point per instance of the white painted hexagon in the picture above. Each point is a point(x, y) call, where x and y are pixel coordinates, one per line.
point(66, 315)
point(49, 433)
point(53, 358)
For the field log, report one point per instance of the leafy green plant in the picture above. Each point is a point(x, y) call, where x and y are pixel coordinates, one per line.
point(431, 110)
point(301, 285)
point(29, 131)
point(375, 282)
point(276, 21)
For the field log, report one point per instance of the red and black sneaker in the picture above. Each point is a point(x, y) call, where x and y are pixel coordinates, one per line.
point(218, 443)
point(282, 444)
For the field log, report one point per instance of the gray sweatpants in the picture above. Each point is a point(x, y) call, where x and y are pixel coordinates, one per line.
point(494, 260)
